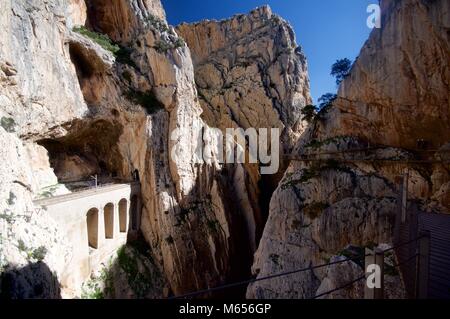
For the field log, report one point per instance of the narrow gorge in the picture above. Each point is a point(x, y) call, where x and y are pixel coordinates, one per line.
point(104, 107)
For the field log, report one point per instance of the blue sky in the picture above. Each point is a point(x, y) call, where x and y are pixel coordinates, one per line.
point(326, 29)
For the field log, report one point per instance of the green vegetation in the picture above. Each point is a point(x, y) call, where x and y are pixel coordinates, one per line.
point(101, 286)
point(312, 113)
point(341, 69)
point(139, 280)
point(179, 42)
point(326, 101)
point(21, 246)
point(147, 100)
point(157, 23)
point(39, 253)
point(123, 55)
point(7, 216)
point(49, 191)
point(162, 46)
point(127, 262)
point(309, 113)
point(314, 210)
point(95, 292)
point(8, 124)
point(103, 40)
point(134, 263)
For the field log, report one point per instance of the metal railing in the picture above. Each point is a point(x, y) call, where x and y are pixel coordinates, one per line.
point(375, 257)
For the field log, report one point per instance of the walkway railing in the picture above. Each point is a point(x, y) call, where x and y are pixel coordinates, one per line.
point(376, 257)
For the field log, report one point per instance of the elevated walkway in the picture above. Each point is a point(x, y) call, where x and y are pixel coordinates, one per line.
point(97, 222)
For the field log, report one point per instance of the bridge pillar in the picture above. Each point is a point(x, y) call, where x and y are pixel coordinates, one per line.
point(101, 226)
point(115, 218)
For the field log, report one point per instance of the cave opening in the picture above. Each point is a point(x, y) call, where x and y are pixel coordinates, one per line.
point(87, 155)
point(83, 66)
point(88, 71)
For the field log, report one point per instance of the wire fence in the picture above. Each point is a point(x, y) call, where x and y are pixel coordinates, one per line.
point(311, 268)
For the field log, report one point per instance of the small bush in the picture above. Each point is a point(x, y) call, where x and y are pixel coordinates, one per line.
point(103, 40)
point(157, 23)
point(39, 253)
point(124, 56)
point(309, 113)
point(127, 263)
point(92, 290)
point(8, 124)
point(179, 42)
point(163, 46)
point(7, 216)
point(21, 246)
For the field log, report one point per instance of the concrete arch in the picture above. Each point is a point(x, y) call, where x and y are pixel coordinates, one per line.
point(81, 216)
point(109, 220)
point(92, 227)
point(123, 218)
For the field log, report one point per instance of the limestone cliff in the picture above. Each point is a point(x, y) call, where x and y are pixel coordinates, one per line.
point(98, 87)
point(394, 103)
point(250, 72)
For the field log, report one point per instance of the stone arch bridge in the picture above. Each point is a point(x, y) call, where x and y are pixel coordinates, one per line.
point(97, 222)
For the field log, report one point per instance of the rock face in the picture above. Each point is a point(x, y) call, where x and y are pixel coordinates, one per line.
point(396, 95)
point(397, 92)
point(250, 73)
point(109, 88)
point(110, 82)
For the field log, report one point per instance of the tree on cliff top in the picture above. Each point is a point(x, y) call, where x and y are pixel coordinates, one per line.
point(340, 69)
